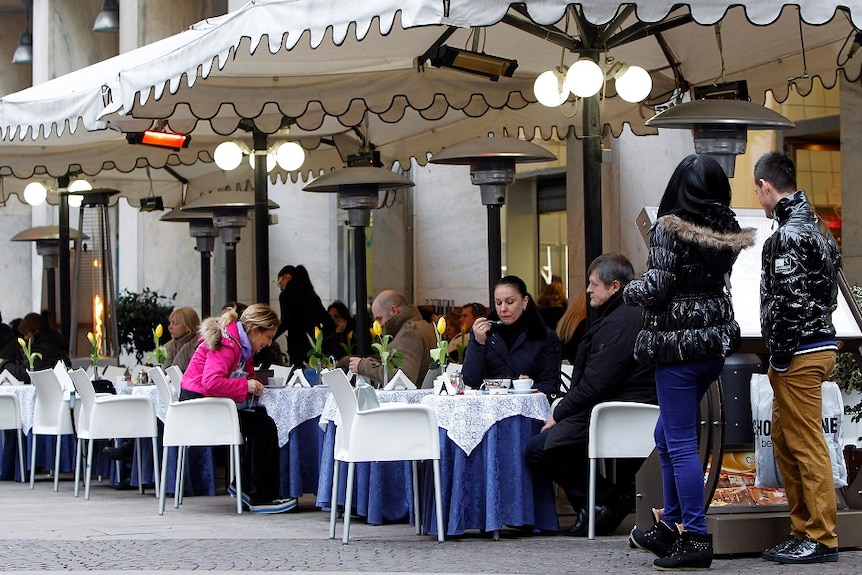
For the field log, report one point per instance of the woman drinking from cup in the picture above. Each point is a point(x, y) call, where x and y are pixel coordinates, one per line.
point(513, 342)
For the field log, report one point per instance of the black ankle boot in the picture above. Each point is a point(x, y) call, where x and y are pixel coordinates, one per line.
point(659, 540)
point(690, 551)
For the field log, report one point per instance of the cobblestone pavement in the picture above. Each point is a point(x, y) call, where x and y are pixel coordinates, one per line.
point(117, 531)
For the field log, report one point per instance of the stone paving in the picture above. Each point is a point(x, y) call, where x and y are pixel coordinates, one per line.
point(118, 531)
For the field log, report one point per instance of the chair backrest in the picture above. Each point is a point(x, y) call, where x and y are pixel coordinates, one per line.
point(566, 371)
point(112, 372)
point(204, 421)
point(175, 377)
point(10, 411)
point(345, 399)
point(50, 413)
point(87, 396)
point(158, 377)
point(622, 429)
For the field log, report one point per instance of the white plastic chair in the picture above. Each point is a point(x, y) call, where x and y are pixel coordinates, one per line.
point(51, 416)
point(10, 418)
point(163, 386)
point(566, 371)
point(109, 416)
point(618, 429)
point(378, 435)
point(205, 421)
point(175, 377)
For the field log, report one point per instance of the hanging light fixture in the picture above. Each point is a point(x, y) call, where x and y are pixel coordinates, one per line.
point(270, 159)
point(633, 83)
point(24, 52)
point(108, 19)
point(287, 155)
point(35, 193)
point(290, 156)
point(585, 78)
point(550, 87)
point(75, 198)
point(228, 155)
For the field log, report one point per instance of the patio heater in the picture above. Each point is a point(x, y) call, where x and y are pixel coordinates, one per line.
point(93, 292)
point(47, 240)
point(202, 229)
point(229, 211)
point(720, 126)
point(492, 168)
point(358, 189)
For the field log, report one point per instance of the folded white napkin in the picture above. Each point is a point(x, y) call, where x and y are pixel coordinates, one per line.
point(442, 386)
point(297, 379)
point(399, 381)
point(7, 378)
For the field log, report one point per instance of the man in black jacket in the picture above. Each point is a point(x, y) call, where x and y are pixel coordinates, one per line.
point(604, 370)
point(798, 293)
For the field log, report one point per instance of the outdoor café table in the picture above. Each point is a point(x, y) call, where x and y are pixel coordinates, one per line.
point(295, 411)
point(381, 490)
point(44, 446)
point(486, 484)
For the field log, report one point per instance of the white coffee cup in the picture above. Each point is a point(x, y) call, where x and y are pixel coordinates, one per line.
point(522, 384)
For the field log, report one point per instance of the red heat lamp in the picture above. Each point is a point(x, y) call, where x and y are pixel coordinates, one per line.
point(160, 139)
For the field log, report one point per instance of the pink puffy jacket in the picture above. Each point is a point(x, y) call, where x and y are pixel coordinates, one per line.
point(209, 370)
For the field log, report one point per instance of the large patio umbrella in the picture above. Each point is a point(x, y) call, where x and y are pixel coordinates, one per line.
point(324, 71)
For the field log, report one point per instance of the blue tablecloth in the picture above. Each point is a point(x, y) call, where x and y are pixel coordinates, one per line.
point(381, 491)
point(45, 455)
point(493, 486)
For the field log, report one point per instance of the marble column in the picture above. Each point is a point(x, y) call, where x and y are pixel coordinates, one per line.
point(851, 175)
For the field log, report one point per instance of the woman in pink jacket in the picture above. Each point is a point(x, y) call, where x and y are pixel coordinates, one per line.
point(222, 366)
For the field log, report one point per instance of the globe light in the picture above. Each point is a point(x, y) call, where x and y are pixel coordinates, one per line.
point(270, 160)
point(634, 84)
point(75, 200)
point(290, 156)
point(228, 156)
point(585, 78)
point(35, 193)
point(79, 186)
point(550, 87)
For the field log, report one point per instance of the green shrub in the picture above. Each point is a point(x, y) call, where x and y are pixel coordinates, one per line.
point(137, 315)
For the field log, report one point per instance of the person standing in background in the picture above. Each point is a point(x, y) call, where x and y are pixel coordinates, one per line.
point(301, 312)
point(798, 293)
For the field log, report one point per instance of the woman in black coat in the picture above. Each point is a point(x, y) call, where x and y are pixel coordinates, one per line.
point(513, 342)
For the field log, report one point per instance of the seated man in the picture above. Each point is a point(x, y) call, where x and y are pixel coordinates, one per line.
point(412, 336)
point(458, 343)
point(604, 370)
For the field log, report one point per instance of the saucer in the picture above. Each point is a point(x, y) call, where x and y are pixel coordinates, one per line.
point(522, 391)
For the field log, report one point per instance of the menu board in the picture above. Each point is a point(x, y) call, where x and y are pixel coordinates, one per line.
point(745, 279)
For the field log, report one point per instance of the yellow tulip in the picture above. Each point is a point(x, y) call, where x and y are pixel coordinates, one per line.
point(376, 328)
point(158, 331)
point(316, 332)
point(21, 342)
point(90, 337)
point(441, 325)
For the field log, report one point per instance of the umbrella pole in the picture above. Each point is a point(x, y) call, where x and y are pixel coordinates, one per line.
point(206, 295)
point(65, 264)
point(495, 258)
point(261, 220)
point(363, 343)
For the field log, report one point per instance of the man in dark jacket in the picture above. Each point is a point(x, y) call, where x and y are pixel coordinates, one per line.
point(604, 370)
point(798, 293)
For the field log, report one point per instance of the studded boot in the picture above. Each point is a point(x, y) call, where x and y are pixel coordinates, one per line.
point(658, 540)
point(690, 552)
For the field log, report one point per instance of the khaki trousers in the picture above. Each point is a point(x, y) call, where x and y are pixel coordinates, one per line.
point(800, 449)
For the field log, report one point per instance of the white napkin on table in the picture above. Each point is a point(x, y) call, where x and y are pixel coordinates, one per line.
point(442, 386)
point(297, 379)
point(399, 381)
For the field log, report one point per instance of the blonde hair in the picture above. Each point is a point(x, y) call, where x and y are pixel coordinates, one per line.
point(256, 316)
point(576, 312)
point(186, 316)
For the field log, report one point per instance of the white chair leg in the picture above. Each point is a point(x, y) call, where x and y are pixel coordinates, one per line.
point(88, 471)
point(21, 454)
point(348, 502)
point(118, 465)
point(178, 479)
point(333, 502)
point(164, 481)
point(438, 501)
point(78, 454)
point(591, 526)
point(156, 475)
point(140, 465)
point(57, 463)
point(417, 516)
point(235, 449)
point(33, 462)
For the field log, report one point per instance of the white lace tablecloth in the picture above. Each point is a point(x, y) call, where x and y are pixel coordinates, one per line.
point(330, 410)
point(27, 398)
point(149, 390)
point(291, 406)
point(466, 418)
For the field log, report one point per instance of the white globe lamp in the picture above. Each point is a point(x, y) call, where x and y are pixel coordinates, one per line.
point(585, 78)
point(290, 156)
point(270, 160)
point(228, 156)
point(550, 87)
point(634, 84)
point(35, 193)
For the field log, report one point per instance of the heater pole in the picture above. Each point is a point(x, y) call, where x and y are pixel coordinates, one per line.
point(261, 220)
point(65, 263)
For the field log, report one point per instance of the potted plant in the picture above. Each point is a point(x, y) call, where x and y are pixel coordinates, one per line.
point(136, 313)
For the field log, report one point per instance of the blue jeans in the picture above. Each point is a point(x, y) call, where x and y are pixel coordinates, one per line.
point(680, 388)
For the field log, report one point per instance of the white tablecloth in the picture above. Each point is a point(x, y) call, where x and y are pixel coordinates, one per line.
point(291, 406)
point(466, 418)
point(330, 410)
point(27, 398)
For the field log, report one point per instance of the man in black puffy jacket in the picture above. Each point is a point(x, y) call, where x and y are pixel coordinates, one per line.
point(798, 294)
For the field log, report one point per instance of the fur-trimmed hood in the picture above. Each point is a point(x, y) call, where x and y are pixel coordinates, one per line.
point(719, 245)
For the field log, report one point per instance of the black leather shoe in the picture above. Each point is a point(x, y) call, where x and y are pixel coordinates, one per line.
point(783, 547)
point(604, 518)
point(807, 551)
